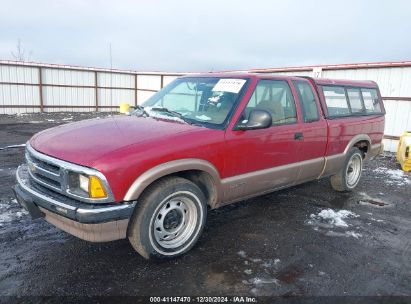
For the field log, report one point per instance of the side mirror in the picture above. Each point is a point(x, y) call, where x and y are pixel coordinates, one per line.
point(258, 119)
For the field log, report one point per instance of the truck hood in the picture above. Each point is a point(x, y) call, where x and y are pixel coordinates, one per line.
point(86, 141)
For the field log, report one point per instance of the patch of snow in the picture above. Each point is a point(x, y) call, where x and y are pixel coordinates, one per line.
point(68, 118)
point(395, 176)
point(254, 291)
point(271, 263)
point(35, 121)
point(260, 281)
point(255, 260)
point(332, 217)
point(204, 117)
point(353, 234)
point(242, 254)
point(7, 215)
point(248, 271)
point(344, 234)
point(321, 273)
point(51, 120)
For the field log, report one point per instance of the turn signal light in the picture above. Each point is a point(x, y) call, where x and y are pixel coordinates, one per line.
point(96, 188)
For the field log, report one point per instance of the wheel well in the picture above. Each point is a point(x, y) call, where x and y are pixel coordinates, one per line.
point(363, 145)
point(203, 180)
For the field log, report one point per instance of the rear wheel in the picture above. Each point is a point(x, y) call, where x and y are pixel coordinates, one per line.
point(349, 176)
point(168, 219)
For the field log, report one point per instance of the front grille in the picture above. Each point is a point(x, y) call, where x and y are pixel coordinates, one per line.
point(44, 172)
point(53, 174)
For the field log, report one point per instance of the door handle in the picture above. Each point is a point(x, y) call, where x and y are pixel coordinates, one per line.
point(298, 136)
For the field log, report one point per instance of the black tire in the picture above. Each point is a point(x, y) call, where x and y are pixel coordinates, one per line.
point(168, 219)
point(350, 174)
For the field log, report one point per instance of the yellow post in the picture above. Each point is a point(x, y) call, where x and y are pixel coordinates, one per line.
point(404, 151)
point(124, 108)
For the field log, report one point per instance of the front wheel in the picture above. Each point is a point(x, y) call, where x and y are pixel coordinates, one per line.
point(168, 219)
point(349, 176)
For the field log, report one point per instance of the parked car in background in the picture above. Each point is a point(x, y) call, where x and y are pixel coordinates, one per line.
point(202, 142)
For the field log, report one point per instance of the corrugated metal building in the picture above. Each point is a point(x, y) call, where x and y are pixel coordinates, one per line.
point(34, 87)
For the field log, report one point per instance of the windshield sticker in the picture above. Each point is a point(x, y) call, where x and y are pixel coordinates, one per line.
point(203, 117)
point(229, 85)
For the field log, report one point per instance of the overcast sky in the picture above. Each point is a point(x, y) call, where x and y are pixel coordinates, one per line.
point(189, 35)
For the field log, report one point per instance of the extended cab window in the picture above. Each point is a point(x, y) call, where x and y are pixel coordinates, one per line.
point(354, 95)
point(275, 97)
point(336, 101)
point(307, 100)
point(371, 100)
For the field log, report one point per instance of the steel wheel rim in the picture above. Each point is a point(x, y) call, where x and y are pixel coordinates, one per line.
point(353, 172)
point(174, 222)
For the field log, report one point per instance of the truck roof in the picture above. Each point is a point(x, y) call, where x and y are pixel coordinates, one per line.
point(318, 81)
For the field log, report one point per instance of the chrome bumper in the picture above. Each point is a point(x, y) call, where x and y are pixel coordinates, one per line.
point(34, 198)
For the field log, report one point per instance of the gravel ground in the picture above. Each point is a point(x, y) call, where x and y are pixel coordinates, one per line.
point(306, 240)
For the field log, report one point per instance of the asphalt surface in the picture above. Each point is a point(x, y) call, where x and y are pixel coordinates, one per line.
point(306, 240)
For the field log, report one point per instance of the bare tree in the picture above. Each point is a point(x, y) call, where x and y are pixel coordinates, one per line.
point(20, 53)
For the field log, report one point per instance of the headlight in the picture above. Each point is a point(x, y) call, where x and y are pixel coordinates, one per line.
point(83, 182)
point(86, 186)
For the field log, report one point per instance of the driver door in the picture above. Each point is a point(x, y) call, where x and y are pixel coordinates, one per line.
point(259, 161)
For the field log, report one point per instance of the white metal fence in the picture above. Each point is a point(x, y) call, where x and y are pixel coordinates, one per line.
point(30, 87)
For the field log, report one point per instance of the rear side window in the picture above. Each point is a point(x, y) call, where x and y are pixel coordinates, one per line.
point(307, 100)
point(354, 96)
point(371, 101)
point(336, 101)
point(275, 97)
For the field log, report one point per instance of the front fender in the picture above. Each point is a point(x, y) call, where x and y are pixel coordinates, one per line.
point(175, 166)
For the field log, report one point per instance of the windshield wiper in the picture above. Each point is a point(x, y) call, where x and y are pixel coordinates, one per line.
point(176, 114)
point(173, 113)
point(165, 110)
point(142, 110)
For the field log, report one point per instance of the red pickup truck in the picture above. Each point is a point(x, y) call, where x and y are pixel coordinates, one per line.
point(202, 142)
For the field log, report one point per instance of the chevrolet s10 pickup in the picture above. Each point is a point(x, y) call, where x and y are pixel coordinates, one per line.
point(202, 142)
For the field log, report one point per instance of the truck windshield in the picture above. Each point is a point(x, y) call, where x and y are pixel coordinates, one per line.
point(201, 100)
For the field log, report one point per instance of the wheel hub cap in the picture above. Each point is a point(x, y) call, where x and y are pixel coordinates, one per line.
point(354, 170)
point(174, 222)
point(172, 219)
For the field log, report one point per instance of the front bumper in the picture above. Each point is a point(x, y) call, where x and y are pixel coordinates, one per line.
point(87, 221)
